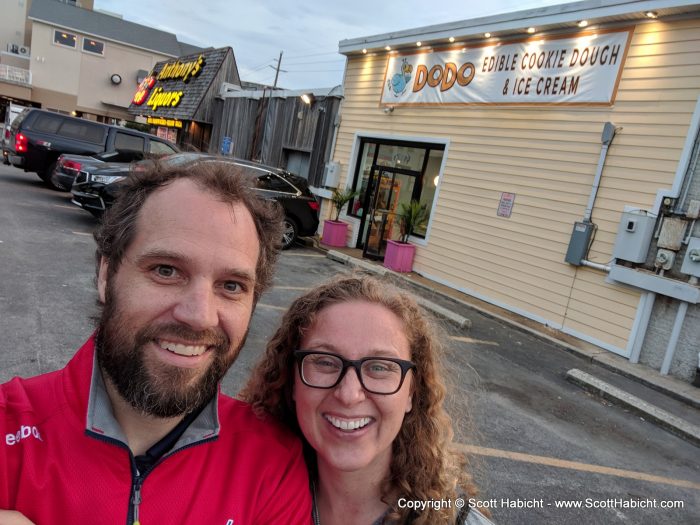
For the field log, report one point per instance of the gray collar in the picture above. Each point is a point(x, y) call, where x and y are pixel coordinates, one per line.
point(100, 418)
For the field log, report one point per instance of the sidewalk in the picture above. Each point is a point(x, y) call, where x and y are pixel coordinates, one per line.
point(668, 402)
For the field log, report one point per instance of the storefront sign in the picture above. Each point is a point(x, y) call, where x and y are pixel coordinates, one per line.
point(505, 206)
point(182, 72)
point(169, 122)
point(577, 70)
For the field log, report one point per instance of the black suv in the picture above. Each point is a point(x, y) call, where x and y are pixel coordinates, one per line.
point(38, 137)
point(96, 187)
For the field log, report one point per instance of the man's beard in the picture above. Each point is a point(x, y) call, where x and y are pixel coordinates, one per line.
point(152, 387)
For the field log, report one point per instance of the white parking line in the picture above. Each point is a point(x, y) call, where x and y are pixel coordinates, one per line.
point(67, 207)
point(470, 340)
point(82, 233)
point(272, 307)
point(295, 254)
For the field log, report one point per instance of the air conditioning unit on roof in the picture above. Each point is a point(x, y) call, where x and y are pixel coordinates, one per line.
point(23, 51)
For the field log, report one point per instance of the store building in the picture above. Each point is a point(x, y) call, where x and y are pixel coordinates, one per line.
point(527, 135)
point(292, 129)
point(63, 56)
point(180, 97)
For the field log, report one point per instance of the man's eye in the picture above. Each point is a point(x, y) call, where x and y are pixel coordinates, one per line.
point(233, 287)
point(164, 271)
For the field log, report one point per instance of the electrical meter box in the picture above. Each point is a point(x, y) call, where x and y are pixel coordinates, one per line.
point(691, 261)
point(579, 243)
point(634, 236)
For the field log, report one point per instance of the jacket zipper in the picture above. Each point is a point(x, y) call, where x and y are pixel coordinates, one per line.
point(136, 500)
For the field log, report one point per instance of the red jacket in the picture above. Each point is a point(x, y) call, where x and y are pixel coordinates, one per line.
point(61, 460)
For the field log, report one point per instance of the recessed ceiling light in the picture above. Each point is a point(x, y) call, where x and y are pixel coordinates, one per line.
point(452, 39)
point(583, 23)
point(388, 48)
point(651, 14)
point(364, 51)
point(419, 43)
point(530, 30)
point(487, 35)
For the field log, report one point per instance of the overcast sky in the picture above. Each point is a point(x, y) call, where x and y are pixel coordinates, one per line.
point(306, 32)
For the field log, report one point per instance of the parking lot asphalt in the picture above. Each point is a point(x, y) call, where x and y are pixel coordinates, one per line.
point(540, 446)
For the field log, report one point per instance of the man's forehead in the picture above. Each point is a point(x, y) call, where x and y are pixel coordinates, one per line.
point(185, 211)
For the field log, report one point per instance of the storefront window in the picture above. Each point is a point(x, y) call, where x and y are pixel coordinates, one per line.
point(396, 173)
point(355, 207)
point(401, 157)
point(430, 182)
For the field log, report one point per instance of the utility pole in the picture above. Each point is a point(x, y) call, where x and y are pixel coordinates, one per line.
point(277, 70)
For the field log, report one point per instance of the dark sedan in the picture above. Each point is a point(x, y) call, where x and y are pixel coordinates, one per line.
point(68, 166)
point(95, 189)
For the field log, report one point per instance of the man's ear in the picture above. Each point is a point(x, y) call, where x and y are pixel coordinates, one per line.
point(102, 279)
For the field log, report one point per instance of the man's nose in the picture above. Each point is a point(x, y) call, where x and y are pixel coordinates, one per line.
point(350, 389)
point(196, 306)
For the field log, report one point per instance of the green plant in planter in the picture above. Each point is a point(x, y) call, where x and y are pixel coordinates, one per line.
point(340, 198)
point(411, 216)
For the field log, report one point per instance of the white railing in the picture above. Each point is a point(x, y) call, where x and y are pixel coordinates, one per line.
point(15, 75)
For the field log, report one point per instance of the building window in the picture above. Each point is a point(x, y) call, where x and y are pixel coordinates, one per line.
point(93, 46)
point(390, 173)
point(64, 39)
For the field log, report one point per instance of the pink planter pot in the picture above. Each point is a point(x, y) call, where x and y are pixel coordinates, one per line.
point(399, 256)
point(335, 233)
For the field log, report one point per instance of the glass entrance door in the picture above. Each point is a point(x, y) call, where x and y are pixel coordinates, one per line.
point(388, 188)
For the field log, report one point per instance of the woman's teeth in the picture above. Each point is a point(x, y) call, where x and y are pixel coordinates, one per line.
point(352, 424)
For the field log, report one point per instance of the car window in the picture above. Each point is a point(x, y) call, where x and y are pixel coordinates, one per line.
point(87, 131)
point(160, 148)
point(47, 123)
point(270, 181)
point(127, 141)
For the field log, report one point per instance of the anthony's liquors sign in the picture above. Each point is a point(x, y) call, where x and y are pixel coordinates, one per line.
point(583, 69)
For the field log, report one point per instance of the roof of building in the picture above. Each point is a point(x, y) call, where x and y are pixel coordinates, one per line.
point(109, 27)
point(562, 17)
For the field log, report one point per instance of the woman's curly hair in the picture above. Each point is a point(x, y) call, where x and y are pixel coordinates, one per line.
point(425, 465)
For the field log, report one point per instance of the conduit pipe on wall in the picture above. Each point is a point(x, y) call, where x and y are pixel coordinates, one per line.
point(676, 332)
point(607, 137)
point(647, 307)
point(597, 266)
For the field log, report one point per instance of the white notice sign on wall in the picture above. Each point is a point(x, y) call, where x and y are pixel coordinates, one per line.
point(583, 69)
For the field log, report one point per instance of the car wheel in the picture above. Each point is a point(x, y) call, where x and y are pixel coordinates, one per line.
point(47, 177)
point(289, 232)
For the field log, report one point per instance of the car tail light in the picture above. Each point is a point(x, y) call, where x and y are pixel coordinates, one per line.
point(71, 165)
point(20, 143)
point(314, 205)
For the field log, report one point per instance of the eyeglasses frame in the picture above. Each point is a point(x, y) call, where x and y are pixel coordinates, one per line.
point(356, 364)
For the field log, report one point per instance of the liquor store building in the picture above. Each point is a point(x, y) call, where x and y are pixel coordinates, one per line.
point(556, 151)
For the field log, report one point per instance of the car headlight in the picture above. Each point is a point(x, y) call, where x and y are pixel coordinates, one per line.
point(106, 179)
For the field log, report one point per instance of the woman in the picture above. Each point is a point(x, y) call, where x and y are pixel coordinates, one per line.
point(354, 370)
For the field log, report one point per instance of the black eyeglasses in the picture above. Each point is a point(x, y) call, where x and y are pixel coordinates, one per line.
point(377, 375)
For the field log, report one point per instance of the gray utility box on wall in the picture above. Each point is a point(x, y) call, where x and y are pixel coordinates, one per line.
point(634, 236)
point(691, 262)
point(579, 243)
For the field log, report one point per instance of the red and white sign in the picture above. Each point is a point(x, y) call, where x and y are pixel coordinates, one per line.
point(583, 69)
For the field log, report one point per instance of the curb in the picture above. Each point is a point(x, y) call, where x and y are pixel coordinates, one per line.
point(663, 419)
point(457, 320)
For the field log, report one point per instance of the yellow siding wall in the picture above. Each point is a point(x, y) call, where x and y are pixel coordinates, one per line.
point(548, 157)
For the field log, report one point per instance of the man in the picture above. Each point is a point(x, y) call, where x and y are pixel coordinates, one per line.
point(133, 429)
